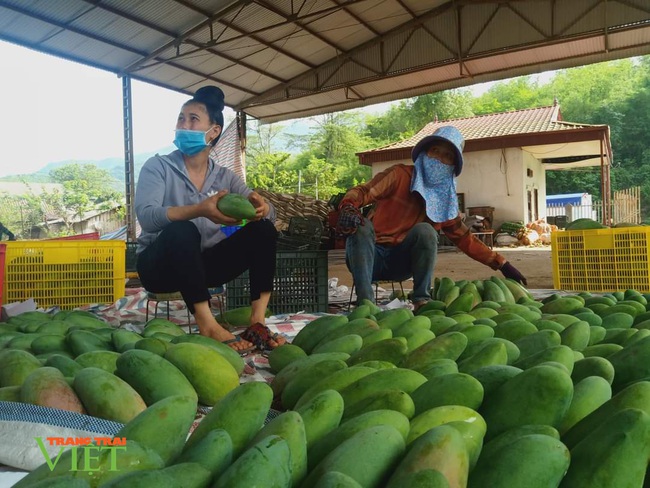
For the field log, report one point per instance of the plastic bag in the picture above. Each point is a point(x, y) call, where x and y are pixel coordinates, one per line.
point(531, 237)
point(504, 239)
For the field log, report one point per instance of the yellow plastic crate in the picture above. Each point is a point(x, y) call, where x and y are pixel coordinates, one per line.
point(601, 259)
point(67, 274)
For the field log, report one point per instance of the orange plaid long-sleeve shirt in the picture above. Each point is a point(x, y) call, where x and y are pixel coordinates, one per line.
point(397, 210)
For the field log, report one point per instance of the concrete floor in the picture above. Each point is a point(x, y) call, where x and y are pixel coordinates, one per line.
point(533, 262)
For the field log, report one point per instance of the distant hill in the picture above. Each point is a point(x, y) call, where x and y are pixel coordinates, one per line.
point(114, 166)
point(15, 188)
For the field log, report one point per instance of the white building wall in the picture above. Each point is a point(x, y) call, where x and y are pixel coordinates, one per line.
point(494, 178)
point(498, 179)
point(535, 182)
point(379, 167)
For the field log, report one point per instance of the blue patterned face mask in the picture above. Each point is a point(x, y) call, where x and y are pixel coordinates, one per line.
point(190, 142)
point(435, 182)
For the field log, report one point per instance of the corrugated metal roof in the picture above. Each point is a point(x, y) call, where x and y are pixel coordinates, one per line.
point(282, 59)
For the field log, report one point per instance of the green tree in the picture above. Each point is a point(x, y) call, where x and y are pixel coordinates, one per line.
point(54, 206)
point(85, 187)
point(267, 168)
point(582, 180)
point(323, 177)
point(614, 93)
point(604, 93)
point(409, 116)
point(330, 154)
point(262, 139)
point(515, 94)
point(19, 213)
point(271, 172)
point(632, 153)
point(590, 94)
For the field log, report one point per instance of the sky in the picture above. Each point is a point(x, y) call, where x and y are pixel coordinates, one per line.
point(56, 110)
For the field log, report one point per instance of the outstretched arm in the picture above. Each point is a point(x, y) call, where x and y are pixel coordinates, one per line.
point(461, 236)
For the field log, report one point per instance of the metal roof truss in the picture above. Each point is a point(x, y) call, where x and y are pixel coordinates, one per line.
point(282, 59)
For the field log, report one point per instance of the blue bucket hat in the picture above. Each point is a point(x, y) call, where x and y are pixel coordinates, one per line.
point(447, 133)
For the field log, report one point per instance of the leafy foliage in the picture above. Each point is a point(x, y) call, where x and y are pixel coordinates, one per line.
point(409, 116)
point(516, 94)
point(84, 187)
point(614, 93)
point(326, 164)
point(20, 212)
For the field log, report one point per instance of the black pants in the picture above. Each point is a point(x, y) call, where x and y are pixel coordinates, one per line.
point(174, 261)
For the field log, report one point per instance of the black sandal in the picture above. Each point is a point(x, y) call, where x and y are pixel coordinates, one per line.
point(261, 336)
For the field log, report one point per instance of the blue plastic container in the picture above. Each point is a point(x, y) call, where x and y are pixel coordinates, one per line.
point(230, 229)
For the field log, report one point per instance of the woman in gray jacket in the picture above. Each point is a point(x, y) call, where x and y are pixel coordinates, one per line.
point(182, 247)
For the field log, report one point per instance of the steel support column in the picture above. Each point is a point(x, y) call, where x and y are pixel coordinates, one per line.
point(129, 176)
point(605, 185)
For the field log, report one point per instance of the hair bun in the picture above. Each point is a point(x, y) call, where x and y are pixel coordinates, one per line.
point(211, 96)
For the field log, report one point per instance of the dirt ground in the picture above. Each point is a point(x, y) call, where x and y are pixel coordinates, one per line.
point(534, 263)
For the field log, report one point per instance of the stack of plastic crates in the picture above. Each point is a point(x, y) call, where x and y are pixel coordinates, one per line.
point(64, 273)
point(303, 234)
point(601, 259)
point(300, 284)
point(131, 260)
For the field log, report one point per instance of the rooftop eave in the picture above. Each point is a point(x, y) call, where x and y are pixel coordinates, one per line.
point(584, 162)
point(567, 136)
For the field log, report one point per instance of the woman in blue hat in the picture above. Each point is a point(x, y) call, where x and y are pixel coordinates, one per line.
point(398, 240)
point(183, 247)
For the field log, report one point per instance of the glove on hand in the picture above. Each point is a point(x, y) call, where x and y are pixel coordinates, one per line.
point(509, 271)
point(349, 219)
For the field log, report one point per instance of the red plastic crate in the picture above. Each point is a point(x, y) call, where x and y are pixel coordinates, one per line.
point(3, 251)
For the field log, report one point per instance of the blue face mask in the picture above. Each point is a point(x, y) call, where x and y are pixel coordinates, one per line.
point(190, 142)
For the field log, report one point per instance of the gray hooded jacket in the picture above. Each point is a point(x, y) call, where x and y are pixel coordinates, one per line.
point(164, 183)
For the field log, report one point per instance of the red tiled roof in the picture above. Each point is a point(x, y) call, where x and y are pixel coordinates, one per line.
point(518, 122)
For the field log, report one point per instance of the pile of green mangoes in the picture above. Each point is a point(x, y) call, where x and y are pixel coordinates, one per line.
point(499, 389)
point(74, 361)
point(483, 387)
